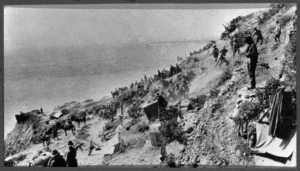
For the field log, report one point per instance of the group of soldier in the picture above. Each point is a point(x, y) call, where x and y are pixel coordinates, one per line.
point(251, 51)
point(166, 74)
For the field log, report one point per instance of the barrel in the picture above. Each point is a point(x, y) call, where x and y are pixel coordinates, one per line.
point(154, 135)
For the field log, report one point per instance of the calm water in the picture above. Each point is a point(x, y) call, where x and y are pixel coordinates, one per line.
point(81, 74)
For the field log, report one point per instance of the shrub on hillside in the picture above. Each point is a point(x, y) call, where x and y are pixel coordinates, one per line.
point(214, 92)
point(135, 112)
point(132, 139)
point(249, 111)
point(142, 127)
point(65, 111)
point(199, 100)
point(271, 87)
point(285, 19)
point(189, 75)
point(170, 160)
point(171, 131)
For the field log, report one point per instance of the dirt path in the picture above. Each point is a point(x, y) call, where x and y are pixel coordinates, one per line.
point(147, 155)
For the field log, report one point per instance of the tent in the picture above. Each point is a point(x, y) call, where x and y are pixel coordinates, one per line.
point(273, 145)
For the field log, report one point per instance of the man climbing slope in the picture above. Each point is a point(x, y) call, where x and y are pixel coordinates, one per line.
point(222, 58)
point(252, 55)
point(258, 35)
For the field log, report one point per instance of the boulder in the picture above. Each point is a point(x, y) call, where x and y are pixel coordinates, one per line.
point(174, 153)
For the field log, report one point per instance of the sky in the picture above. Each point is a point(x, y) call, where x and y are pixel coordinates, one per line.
point(68, 27)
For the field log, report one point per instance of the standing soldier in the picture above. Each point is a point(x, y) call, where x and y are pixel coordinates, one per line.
point(259, 36)
point(277, 31)
point(84, 117)
point(215, 52)
point(235, 47)
point(71, 155)
point(54, 133)
point(91, 147)
point(222, 57)
point(122, 113)
point(252, 55)
point(131, 86)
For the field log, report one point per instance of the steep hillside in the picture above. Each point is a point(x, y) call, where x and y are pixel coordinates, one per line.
point(209, 127)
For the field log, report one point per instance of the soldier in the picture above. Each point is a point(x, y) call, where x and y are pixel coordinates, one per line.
point(277, 31)
point(122, 113)
point(259, 36)
point(55, 134)
point(235, 47)
point(215, 52)
point(252, 55)
point(57, 160)
point(222, 57)
point(91, 147)
point(71, 155)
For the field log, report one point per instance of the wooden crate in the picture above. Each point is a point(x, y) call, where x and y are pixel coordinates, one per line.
point(151, 111)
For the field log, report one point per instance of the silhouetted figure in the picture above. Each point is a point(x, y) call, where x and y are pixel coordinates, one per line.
point(258, 35)
point(71, 155)
point(235, 47)
point(252, 55)
point(91, 148)
point(215, 52)
point(158, 74)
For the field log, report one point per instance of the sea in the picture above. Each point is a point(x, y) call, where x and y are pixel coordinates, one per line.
point(46, 78)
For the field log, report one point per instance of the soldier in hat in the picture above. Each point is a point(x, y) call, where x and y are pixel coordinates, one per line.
point(252, 55)
point(71, 155)
point(259, 36)
point(57, 160)
point(215, 52)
